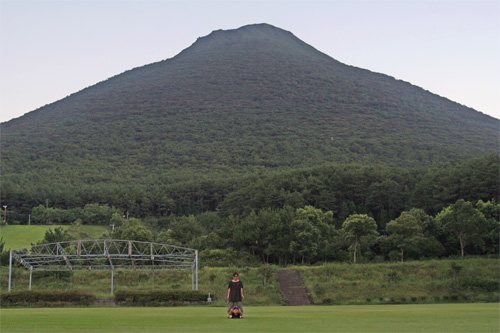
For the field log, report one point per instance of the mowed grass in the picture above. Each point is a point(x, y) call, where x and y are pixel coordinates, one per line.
point(477, 317)
point(17, 236)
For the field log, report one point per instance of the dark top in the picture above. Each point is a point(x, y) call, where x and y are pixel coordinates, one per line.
point(235, 291)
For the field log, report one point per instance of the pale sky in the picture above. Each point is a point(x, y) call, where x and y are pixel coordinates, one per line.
point(50, 49)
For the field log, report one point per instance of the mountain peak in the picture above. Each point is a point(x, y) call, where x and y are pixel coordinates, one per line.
point(249, 38)
point(258, 29)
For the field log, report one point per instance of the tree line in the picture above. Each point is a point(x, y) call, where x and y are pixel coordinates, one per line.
point(309, 235)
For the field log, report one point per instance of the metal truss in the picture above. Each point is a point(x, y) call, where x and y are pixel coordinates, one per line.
point(105, 254)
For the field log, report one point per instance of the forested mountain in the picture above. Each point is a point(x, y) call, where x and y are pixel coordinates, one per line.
point(234, 105)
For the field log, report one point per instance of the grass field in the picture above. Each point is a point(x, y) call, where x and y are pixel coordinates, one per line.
point(477, 317)
point(16, 236)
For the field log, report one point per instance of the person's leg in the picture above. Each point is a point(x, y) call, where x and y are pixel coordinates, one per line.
point(240, 306)
point(229, 307)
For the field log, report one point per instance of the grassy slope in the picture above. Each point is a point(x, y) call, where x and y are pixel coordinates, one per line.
point(417, 282)
point(387, 318)
point(399, 282)
point(17, 236)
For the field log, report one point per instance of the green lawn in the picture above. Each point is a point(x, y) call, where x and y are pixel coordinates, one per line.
point(17, 236)
point(478, 317)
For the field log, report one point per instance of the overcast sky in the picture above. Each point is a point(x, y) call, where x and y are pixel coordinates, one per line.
point(51, 49)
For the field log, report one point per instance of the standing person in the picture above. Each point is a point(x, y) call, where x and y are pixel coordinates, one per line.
point(235, 294)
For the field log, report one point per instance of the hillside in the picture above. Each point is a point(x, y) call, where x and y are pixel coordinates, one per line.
point(235, 103)
point(18, 236)
point(427, 281)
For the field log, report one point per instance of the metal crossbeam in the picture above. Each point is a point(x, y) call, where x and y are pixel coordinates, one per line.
point(21, 261)
point(78, 255)
point(61, 250)
point(105, 254)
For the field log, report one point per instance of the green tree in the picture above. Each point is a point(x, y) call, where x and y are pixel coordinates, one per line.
point(404, 233)
point(185, 230)
point(165, 237)
point(281, 233)
point(76, 231)
point(305, 239)
point(383, 199)
point(464, 222)
point(254, 232)
point(4, 256)
point(321, 224)
point(55, 235)
point(116, 219)
point(97, 214)
point(42, 215)
point(491, 211)
point(359, 228)
point(431, 247)
point(133, 229)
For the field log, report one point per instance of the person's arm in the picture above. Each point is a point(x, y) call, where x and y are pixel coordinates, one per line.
point(242, 297)
point(228, 291)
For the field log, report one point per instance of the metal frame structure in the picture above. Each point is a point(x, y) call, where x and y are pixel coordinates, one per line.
point(105, 254)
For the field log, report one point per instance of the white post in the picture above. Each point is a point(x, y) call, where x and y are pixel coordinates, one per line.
point(192, 278)
point(10, 268)
point(31, 271)
point(196, 258)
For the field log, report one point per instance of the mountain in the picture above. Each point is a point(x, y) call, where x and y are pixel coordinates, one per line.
point(235, 103)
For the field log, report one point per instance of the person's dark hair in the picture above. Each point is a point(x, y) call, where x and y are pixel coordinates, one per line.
point(235, 273)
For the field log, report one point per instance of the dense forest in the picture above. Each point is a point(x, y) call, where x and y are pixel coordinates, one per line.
point(304, 215)
point(382, 192)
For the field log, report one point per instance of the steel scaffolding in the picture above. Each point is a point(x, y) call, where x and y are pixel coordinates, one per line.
point(105, 254)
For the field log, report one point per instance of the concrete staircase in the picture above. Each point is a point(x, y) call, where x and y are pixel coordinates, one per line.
point(291, 287)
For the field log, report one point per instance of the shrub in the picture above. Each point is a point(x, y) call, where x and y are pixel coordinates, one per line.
point(479, 285)
point(58, 275)
point(46, 298)
point(158, 298)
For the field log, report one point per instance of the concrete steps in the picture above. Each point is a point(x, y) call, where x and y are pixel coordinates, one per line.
point(291, 287)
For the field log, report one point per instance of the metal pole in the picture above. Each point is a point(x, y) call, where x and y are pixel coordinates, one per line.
point(112, 282)
point(192, 278)
point(10, 268)
point(31, 271)
point(5, 216)
point(196, 258)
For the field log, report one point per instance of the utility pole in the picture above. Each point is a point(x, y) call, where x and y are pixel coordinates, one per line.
point(5, 214)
